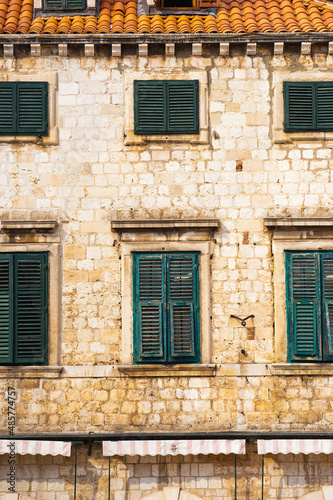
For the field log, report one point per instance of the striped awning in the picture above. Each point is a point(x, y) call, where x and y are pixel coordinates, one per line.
point(35, 447)
point(295, 446)
point(174, 447)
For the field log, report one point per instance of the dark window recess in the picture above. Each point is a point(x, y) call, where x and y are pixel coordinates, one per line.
point(308, 106)
point(175, 4)
point(23, 308)
point(23, 108)
point(166, 107)
point(64, 5)
point(310, 305)
point(166, 308)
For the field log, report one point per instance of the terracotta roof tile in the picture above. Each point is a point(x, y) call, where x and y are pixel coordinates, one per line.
point(121, 16)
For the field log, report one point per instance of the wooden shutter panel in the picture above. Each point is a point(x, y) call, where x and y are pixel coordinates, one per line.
point(327, 278)
point(148, 289)
point(299, 106)
point(324, 106)
point(32, 104)
point(31, 308)
point(52, 5)
point(76, 5)
point(183, 307)
point(304, 310)
point(149, 107)
point(6, 309)
point(183, 107)
point(7, 108)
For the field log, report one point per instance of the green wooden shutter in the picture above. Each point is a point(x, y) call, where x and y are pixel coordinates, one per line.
point(183, 308)
point(7, 108)
point(149, 107)
point(324, 106)
point(299, 106)
point(32, 108)
point(76, 5)
point(327, 295)
point(303, 307)
point(53, 5)
point(148, 295)
point(183, 107)
point(31, 299)
point(6, 309)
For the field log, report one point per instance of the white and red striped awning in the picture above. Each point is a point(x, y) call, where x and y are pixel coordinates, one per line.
point(295, 446)
point(35, 447)
point(174, 447)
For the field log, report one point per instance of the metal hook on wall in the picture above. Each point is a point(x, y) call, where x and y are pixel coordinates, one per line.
point(242, 320)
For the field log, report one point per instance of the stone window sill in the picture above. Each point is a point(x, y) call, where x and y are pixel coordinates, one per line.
point(30, 371)
point(168, 371)
point(302, 369)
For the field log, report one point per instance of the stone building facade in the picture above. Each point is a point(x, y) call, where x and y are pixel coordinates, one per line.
point(241, 193)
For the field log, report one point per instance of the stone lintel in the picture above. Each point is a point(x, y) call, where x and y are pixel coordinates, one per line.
point(160, 224)
point(7, 226)
point(168, 371)
point(297, 223)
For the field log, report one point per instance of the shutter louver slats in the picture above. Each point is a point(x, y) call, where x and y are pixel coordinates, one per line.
point(76, 5)
point(304, 306)
point(7, 104)
point(32, 107)
point(182, 107)
point(6, 311)
point(299, 106)
point(325, 107)
point(30, 309)
point(150, 296)
point(327, 273)
point(149, 110)
point(182, 315)
point(53, 5)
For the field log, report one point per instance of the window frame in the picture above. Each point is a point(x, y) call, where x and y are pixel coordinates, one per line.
point(45, 243)
point(13, 307)
point(315, 97)
point(159, 74)
point(16, 87)
point(64, 7)
point(165, 355)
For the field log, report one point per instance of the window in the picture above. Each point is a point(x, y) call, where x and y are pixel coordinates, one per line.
point(23, 108)
point(308, 106)
point(166, 107)
point(166, 307)
point(310, 305)
point(64, 5)
point(175, 4)
point(23, 308)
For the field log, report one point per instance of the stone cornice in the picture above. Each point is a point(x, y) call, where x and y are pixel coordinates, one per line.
point(164, 224)
point(284, 223)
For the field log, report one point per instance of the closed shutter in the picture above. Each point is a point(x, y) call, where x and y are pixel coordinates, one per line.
point(32, 108)
point(148, 290)
point(183, 307)
point(7, 108)
point(77, 5)
point(327, 279)
point(183, 107)
point(52, 5)
point(324, 106)
point(303, 307)
point(149, 107)
point(299, 106)
point(6, 309)
point(31, 308)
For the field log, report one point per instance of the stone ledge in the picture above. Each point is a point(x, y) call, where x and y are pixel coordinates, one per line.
point(30, 371)
point(19, 226)
point(302, 369)
point(297, 223)
point(168, 371)
point(158, 224)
